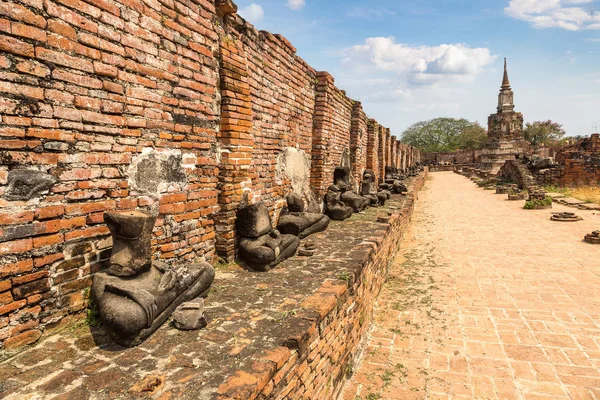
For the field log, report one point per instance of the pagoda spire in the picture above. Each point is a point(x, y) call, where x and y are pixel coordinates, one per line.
point(505, 81)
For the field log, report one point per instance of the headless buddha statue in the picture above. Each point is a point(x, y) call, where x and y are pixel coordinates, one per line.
point(136, 295)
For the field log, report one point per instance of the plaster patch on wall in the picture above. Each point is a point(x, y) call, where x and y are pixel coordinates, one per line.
point(156, 171)
point(295, 164)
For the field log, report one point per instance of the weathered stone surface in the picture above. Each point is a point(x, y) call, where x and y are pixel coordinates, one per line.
point(261, 246)
point(26, 184)
point(190, 315)
point(294, 221)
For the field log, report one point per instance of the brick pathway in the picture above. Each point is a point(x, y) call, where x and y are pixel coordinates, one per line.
point(486, 301)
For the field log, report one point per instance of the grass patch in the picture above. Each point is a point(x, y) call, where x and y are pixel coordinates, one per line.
point(537, 203)
point(589, 194)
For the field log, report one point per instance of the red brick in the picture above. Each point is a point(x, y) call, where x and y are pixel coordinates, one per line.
point(23, 90)
point(87, 208)
point(28, 32)
point(16, 268)
point(5, 298)
point(62, 28)
point(16, 246)
point(5, 285)
point(15, 305)
point(18, 12)
point(11, 218)
point(63, 59)
point(23, 339)
point(48, 259)
point(49, 212)
point(49, 240)
point(29, 278)
point(87, 233)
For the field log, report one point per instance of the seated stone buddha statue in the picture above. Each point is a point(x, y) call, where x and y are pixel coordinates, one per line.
point(368, 190)
point(334, 207)
point(341, 179)
point(392, 181)
point(294, 221)
point(136, 295)
point(261, 246)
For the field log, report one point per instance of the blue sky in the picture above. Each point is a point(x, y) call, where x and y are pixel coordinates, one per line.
point(411, 60)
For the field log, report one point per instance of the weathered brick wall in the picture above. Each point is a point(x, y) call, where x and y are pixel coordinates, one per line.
point(358, 142)
point(331, 135)
point(373, 146)
point(457, 157)
point(283, 99)
point(314, 363)
point(179, 108)
point(579, 165)
point(236, 139)
point(381, 155)
point(115, 104)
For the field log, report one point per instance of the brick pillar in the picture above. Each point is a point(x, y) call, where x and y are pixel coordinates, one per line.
point(321, 132)
point(236, 143)
point(381, 152)
point(388, 147)
point(394, 151)
point(358, 141)
point(373, 146)
point(404, 158)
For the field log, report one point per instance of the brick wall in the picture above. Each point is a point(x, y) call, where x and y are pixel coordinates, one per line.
point(358, 142)
point(579, 165)
point(115, 104)
point(373, 146)
point(179, 108)
point(331, 135)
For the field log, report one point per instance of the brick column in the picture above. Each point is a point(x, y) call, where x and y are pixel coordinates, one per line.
point(236, 143)
point(388, 147)
point(373, 146)
point(394, 151)
point(321, 132)
point(358, 141)
point(381, 152)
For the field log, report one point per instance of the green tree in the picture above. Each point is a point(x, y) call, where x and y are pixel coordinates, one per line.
point(445, 134)
point(543, 133)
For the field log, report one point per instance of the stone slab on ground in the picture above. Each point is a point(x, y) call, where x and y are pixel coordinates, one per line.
point(570, 201)
point(555, 195)
point(488, 301)
point(589, 206)
point(249, 315)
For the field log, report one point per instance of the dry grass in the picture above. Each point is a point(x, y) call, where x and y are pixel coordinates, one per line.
point(590, 194)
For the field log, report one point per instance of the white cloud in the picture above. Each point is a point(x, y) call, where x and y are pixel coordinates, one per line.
point(296, 4)
point(565, 14)
point(418, 65)
point(253, 13)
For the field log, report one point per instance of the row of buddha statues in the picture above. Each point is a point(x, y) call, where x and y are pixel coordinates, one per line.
point(263, 246)
point(135, 295)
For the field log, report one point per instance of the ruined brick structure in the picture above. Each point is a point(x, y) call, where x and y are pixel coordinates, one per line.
point(578, 165)
point(505, 130)
point(181, 108)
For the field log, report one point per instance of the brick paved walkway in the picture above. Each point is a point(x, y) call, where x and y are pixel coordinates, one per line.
point(486, 301)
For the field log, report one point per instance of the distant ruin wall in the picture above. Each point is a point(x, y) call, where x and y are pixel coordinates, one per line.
point(578, 165)
point(452, 158)
point(180, 108)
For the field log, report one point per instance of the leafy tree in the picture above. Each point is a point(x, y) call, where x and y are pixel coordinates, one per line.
point(444, 135)
point(543, 133)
